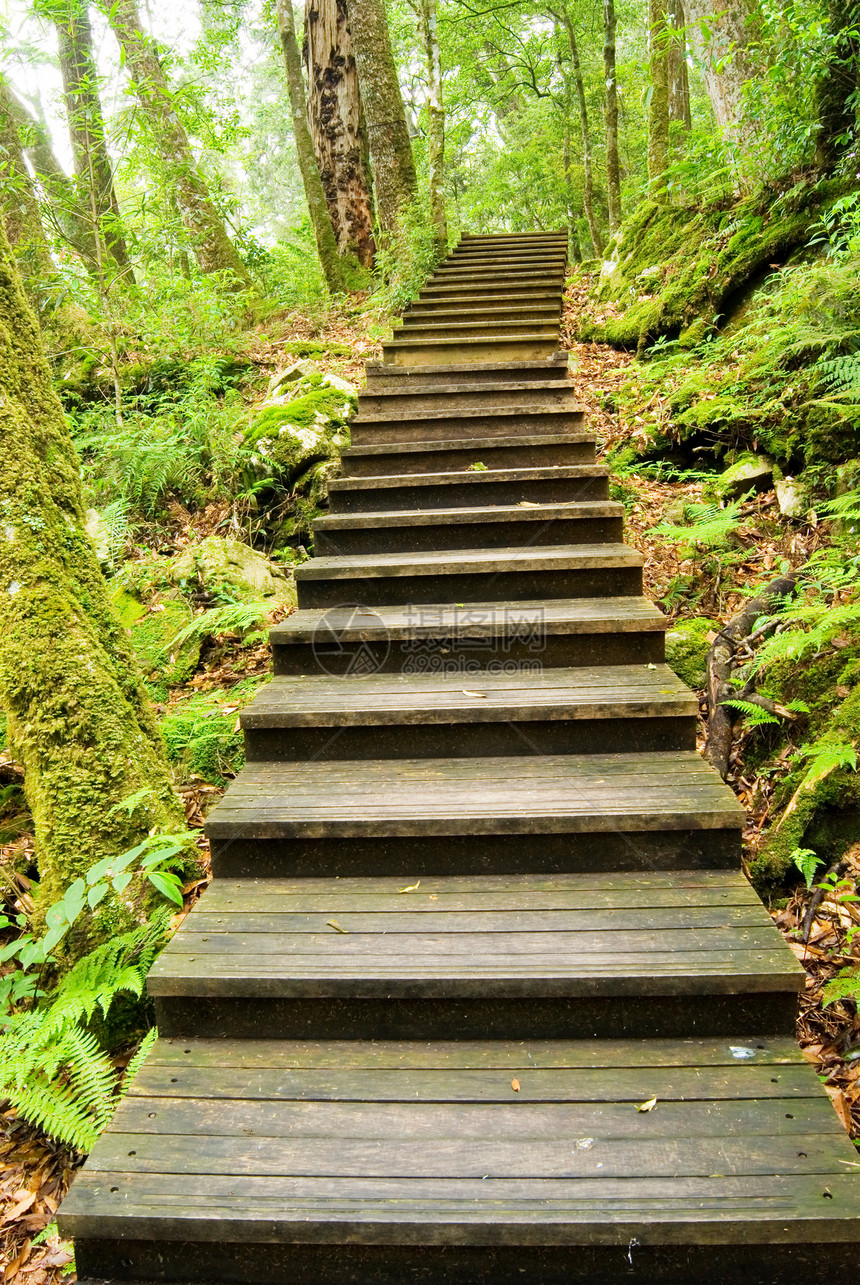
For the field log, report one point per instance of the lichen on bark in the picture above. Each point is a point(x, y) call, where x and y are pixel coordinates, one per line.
point(77, 714)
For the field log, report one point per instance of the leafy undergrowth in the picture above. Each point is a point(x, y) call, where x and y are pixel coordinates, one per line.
point(630, 408)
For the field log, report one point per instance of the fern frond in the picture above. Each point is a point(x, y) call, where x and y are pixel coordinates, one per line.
point(711, 526)
point(846, 985)
point(138, 1060)
point(754, 714)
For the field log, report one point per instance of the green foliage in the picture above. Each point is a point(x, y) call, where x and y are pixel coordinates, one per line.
point(754, 715)
point(846, 985)
point(807, 862)
point(687, 646)
point(202, 735)
point(711, 526)
point(53, 1069)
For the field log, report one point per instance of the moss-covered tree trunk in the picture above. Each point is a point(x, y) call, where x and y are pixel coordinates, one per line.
point(394, 179)
point(93, 169)
point(314, 192)
point(337, 127)
point(587, 163)
point(613, 164)
point(207, 233)
point(77, 714)
point(658, 108)
point(428, 28)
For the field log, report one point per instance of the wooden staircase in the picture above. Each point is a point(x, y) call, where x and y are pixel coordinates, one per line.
point(479, 992)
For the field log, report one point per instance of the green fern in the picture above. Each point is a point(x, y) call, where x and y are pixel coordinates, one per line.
point(53, 1069)
point(234, 618)
point(807, 862)
point(846, 985)
point(710, 528)
point(754, 714)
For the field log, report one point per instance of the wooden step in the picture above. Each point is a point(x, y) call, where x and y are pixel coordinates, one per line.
point(486, 285)
point(524, 451)
point(297, 1162)
point(488, 396)
point(258, 954)
point(541, 300)
point(610, 709)
point(467, 488)
point(381, 376)
point(496, 527)
point(354, 641)
point(568, 812)
point(470, 575)
point(485, 347)
point(431, 327)
point(395, 426)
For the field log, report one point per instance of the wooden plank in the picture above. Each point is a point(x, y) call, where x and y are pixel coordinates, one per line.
point(558, 1084)
point(675, 919)
point(464, 561)
point(484, 1054)
point(464, 1158)
point(525, 1121)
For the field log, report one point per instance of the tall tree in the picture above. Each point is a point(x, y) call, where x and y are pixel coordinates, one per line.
point(26, 233)
point(725, 38)
point(337, 127)
point(93, 169)
point(394, 179)
point(679, 79)
point(563, 14)
point(836, 91)
point(77, 714)
point(658, 108)
point(429, 31)
point(212, 246)
point(314, 193)
point(613, 164)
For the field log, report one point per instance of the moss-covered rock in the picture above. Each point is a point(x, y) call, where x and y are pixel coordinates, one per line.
point(687, 645)
point(233, 572)
point(673, 267)
point(748, 472)
point(164, 662)
point(202, 736)
point(299, 426)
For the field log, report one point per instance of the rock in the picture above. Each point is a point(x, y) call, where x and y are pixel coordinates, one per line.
point(792, 497)
point(234, 571)
point(748, 473)
point(300, 428)
point(687, 646)
point(283, 378)
point(162, 661)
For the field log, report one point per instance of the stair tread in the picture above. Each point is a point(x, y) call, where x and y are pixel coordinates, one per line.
point(534, 794)
point(491, 619)
point(486, 513)
point(611, 691)
point(446, 561)
point(242, 1140)
point(479, 476)
point(464, 412)
point(467, 444)
point(271, 947)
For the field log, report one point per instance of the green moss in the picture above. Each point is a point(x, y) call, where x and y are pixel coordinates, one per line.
point(152, 636)
point(201, 735)
point(129, 608)
point(687, 646)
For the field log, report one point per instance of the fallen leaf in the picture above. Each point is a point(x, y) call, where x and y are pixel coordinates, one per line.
point(647, 1106)
point(483, 695)
point(410, 887)
point(515, 1085)
point(332, 923)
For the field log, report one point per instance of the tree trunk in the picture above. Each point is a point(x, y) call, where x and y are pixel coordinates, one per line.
point(587, 165)
point(613, 165)
point(837, 113)
point(679, 79)
point(429, 32)
point(77, 714)
point(63, 208)
point(726, 56)
point(26, 233)
point(390, 149)
point(314, 193)
point(658, 111)
point(93, 170)
point(337, 127)
point(212, 247)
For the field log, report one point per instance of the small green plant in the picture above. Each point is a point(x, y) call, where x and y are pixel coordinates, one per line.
point(846, 985)
point(807, 862)
point(477, 467)
point(711, 527)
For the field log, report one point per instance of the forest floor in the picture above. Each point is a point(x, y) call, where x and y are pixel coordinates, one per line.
point(34, 1173)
